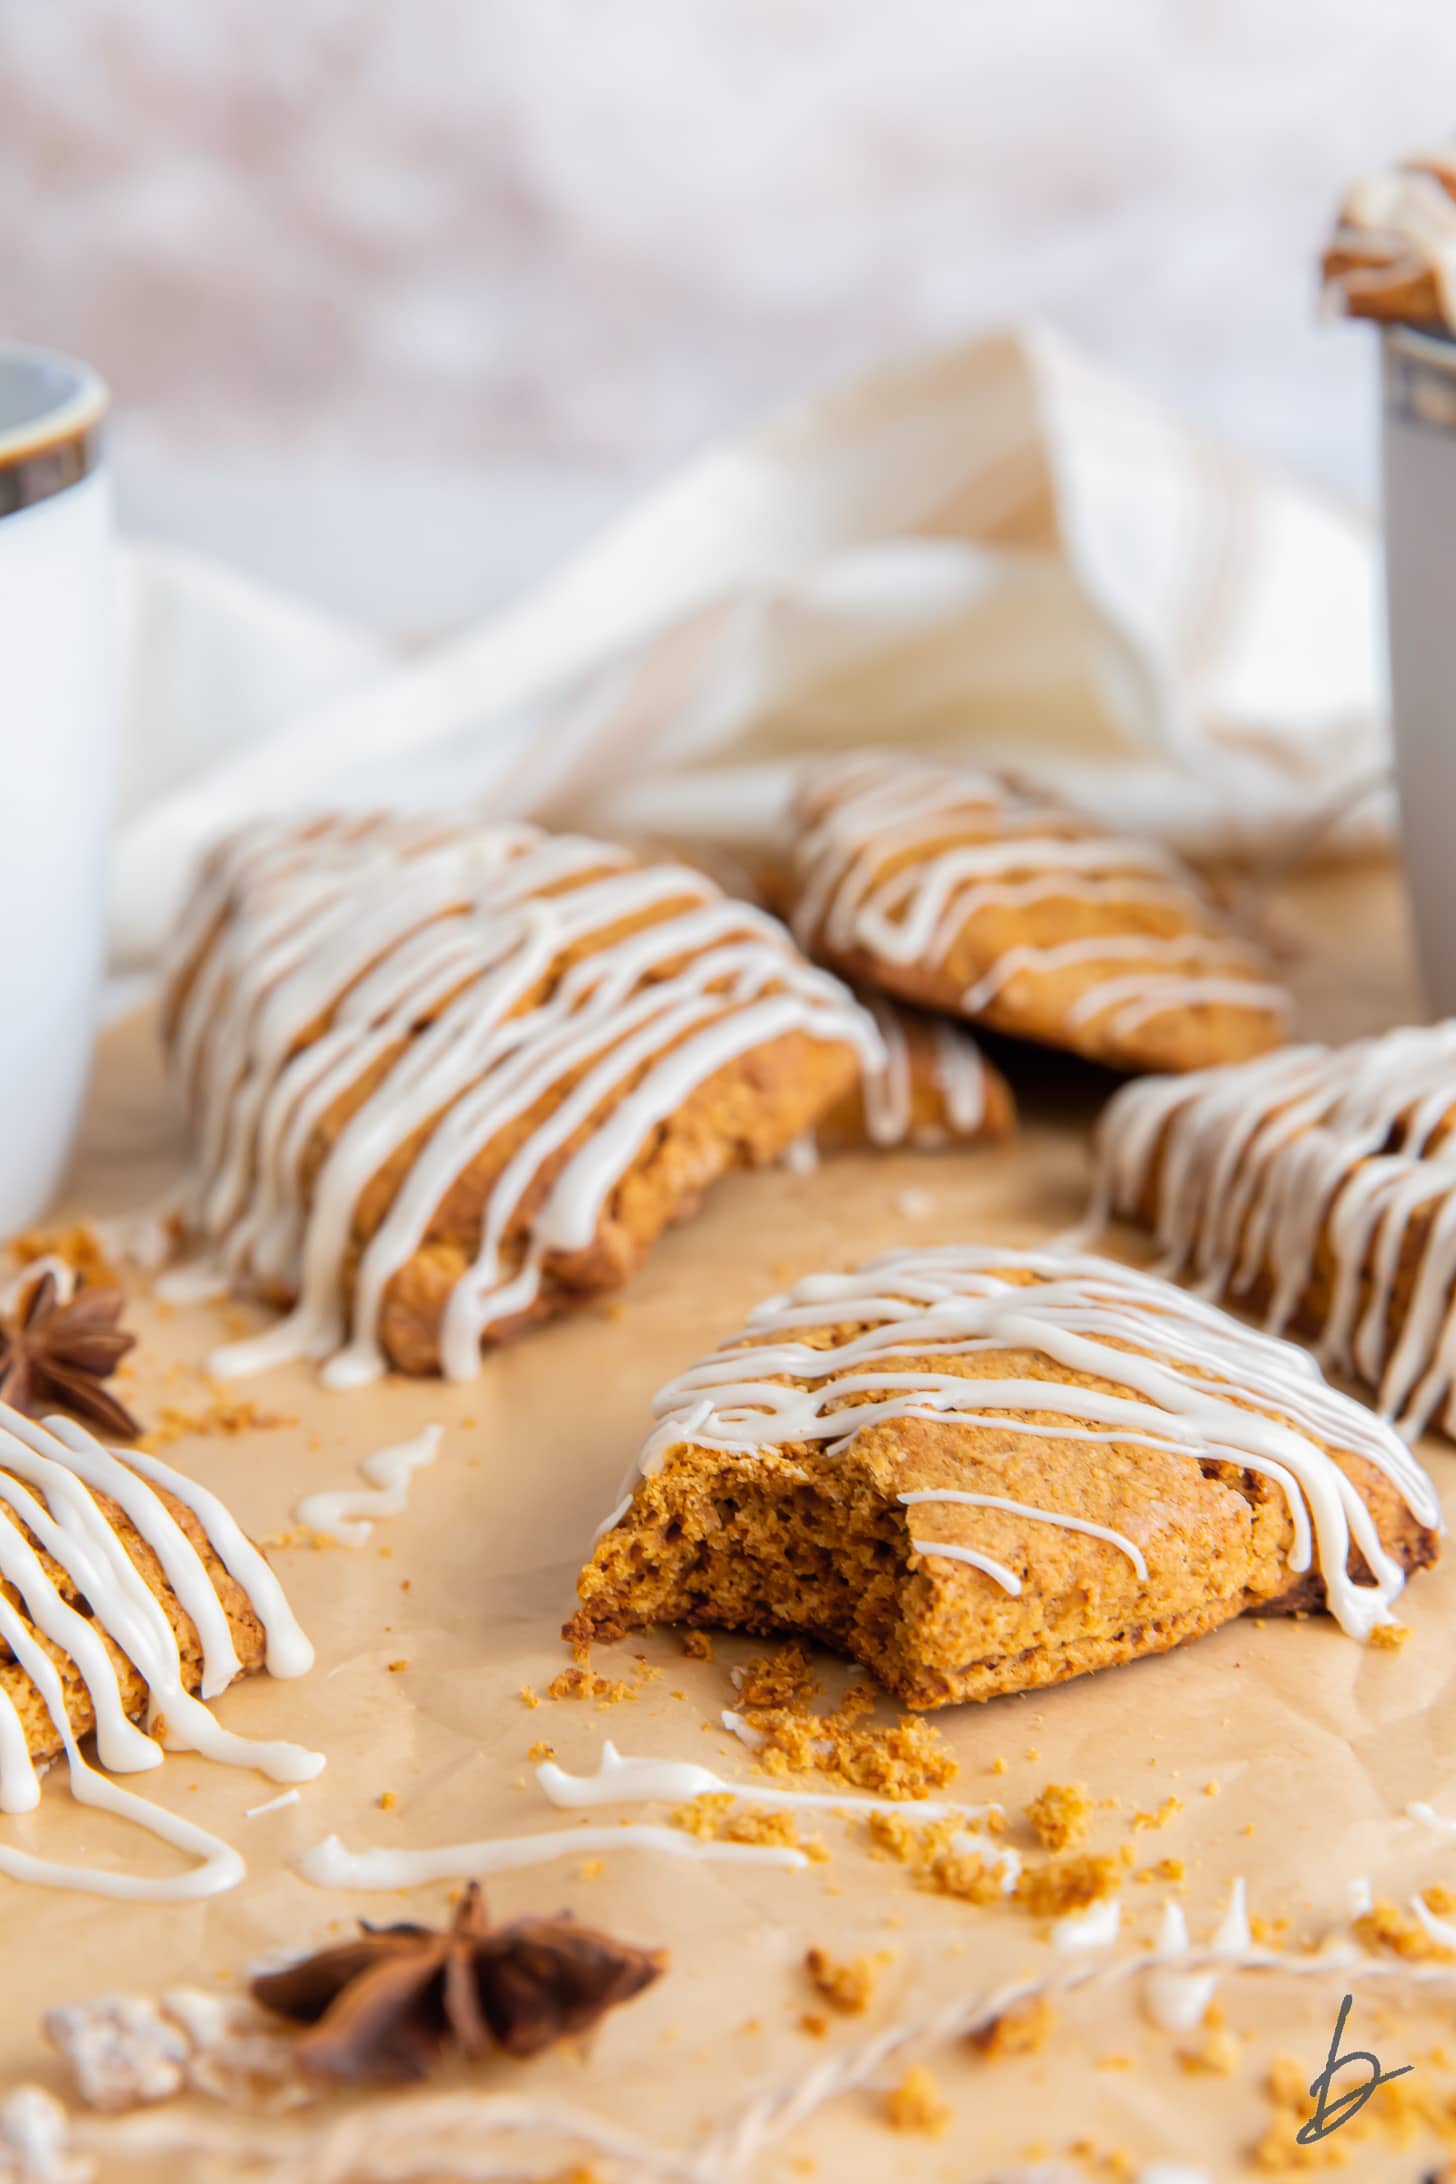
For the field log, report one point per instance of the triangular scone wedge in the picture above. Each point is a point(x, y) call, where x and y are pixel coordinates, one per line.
point(1317, 1187)
point(1062, 1464)
point(960, 891)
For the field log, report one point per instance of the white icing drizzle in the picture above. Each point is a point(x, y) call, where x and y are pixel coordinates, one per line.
point(1263, 1164)
point(1095, 1928)
point(958, 1074)
point(1119, 1540)
point(1441, 1931)
point(18, 1287)
point(1430, 1818)
point(273, 1804)
point(768, 1388)
point(869, 810)
point(329, 1865)
point(451, 970)
point(50, 1477)
point(348, 1514)
point(1175, 1997)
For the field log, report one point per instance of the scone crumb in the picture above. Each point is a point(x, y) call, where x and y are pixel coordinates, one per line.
point(1170, 1870)
point(397, 1668)
point(845, 1986)
point(1067, 1884)
point(226, 1415)
point(1393, 1932)
point(1217, 2054)
point(815, 2023)
point(592, 1869)
point(1061, 1815)
point(540, 1750)
point(79, 1246)
point(1022, 2030)
point(698, 1645)
point(784, 1678)
point(717, 1817)
point(1268, 1933)
point(928, 1852)
point(905, 1759)
point(585, 1683)
point(528, 1697)
point(387, 1800)
point(1390, 1637)
point(915, 2105)
point(1168, 1810)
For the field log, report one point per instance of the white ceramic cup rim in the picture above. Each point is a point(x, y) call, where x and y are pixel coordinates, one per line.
point(69, 399)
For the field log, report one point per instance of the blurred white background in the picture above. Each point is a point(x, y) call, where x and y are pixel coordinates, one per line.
point(398, 301)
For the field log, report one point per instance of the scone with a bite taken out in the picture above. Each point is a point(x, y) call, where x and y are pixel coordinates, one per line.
point(978, 1471)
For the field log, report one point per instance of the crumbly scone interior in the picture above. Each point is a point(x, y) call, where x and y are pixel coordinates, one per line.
point(813, 1540)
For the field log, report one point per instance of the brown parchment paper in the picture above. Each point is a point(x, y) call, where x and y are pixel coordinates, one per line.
point(1316, 1745)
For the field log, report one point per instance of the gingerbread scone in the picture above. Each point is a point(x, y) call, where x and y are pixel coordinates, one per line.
point(956, 890)
point(126, 1590)
point(934, 1088)
point(1318, 1188)
point(450, 1078)
point(979, 1471)
point(1392, 255)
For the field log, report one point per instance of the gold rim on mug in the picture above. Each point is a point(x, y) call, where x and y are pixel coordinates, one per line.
point(60, 443)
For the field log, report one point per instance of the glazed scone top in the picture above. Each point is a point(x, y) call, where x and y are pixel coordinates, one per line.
point(1261, 1168)
point(79, 1526)
point(451, 987)
point(959, 889)
point(1393, 251)
point(1116, 1356)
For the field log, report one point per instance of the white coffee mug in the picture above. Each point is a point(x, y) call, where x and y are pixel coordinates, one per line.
point(1420, 573)
point(57, 739)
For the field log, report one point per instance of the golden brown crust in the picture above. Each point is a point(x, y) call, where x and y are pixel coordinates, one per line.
point(743, 1113)
point(1392, 1288)
point(42, 1739)
point(923, 1112)
point(1022, 956)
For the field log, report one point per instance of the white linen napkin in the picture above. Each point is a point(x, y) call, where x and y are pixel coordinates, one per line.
point(995, 552)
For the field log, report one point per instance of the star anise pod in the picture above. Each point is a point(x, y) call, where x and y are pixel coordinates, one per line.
point(382, 2009)
point(56, 1356)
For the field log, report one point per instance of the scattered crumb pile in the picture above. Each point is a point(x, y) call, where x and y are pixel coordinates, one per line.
point(225, 1415)
point(80, 1247)
point(1393, 1932)
point(903, 1759)
point(1065, 1885)
point(1061, 1815)
point(846, 1987)
point(915, 2105)
point(934, 1856)
point(1022, 2030)
point(717, 1817)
